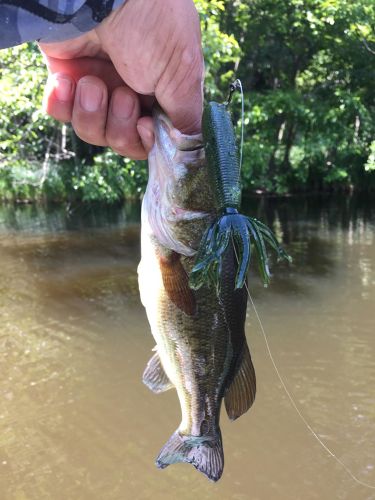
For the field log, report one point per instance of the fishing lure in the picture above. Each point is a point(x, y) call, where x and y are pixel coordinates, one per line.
point(224, 169)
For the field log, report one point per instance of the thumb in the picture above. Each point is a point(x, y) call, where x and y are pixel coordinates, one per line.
point(180, 91)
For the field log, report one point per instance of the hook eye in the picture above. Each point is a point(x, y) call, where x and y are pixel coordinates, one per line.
point(236, 85)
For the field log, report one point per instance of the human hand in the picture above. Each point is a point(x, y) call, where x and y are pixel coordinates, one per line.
point(105, 81)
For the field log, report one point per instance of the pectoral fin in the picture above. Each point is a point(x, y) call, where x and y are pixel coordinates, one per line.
point(240, 394)
point(176, 283)
point(155, 377)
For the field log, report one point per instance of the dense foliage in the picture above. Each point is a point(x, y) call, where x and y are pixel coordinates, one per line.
point(307, 68)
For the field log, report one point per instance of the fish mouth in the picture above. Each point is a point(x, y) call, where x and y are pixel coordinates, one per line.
point(164, 129)
point(173, 158)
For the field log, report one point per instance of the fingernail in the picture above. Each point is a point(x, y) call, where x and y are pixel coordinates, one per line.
point(90, 96)
point(63, 88)
point(122, 105)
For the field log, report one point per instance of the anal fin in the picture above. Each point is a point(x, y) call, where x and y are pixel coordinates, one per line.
point(155, 377)
point(240, 394)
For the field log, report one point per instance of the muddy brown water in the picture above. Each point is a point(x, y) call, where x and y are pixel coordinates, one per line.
point(77, 423)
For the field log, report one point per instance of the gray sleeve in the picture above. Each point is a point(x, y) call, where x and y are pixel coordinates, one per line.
point(50, 20)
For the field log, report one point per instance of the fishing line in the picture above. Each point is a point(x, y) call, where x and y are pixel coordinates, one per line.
point(237, 85)
point(291, 399)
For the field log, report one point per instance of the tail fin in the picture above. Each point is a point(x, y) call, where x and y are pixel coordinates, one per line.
point(205, 453)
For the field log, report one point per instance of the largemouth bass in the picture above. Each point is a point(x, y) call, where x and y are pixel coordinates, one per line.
point(201, 348)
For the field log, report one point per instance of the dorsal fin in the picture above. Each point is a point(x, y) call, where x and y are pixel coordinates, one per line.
point(240, 394)
point(176, 283)
point(155, 377)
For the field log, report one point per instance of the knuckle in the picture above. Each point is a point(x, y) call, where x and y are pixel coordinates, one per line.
point(61, 115)
point(187, 71)
point(89, 136)
point(133, 155)
point(115, 141)
point(189, 58)
point(133, 150)
point(121, 142)
point(190, 63)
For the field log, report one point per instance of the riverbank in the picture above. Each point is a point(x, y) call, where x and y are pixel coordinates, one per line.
point(106, 195)
point(90, 214)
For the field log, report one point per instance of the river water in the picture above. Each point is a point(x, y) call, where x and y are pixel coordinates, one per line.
point(77, 423)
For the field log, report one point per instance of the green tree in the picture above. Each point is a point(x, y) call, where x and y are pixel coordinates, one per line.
point(307, 68)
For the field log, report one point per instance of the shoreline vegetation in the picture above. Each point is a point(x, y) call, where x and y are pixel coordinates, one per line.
point(307, 68)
